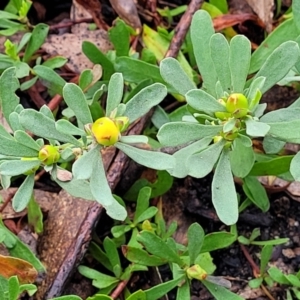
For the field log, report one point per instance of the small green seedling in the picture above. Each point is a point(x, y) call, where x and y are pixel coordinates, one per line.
point(255, 234)
point(11, 289)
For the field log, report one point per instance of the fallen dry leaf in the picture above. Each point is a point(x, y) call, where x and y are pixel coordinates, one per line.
point(10, 266)
point(126, 10)
point(228, 20)
point(264, 9)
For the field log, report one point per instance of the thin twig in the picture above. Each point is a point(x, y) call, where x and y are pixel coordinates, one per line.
point(119, 289)
point(182, 28)
point(256, 270)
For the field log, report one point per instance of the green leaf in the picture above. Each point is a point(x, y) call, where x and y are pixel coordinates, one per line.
point(42, 126)
point(22, 69)
point(100, 255)
point(256, 128)
point(55, 62)
point(205, 260)
point(296, 13)
point(184, 291)
point(120, 37)
point(224, 196)
point(150, 159)
point(162, 289)
point(75, 187)
point(142, 257)
point(97, 57)
point(100, 280)
point(135, 70)
point(23, 194)
point(144, 100)
point(286, 31)
point(255, 86)
point(8, 15)
point(64, 126)
point(76, 100)
point(134, 139)
point(101, 190)
point(239, 61)
point(142, 202)
point(256, 282)
point(17, 167)
point(28, 84)
point(277, 275)
point(73, 297)
point(285, 131)
point(204, 102)
point(85, 79)
point(29, 288)
point(277, 65)
point(147, 214)
point(201, 163)
point(13, 148)
point(50, 78)
point(138, 295)
point(159, 187)
point(35, 216)
point(8, 85)
point(112, 254)
point(266, 254)
point(18, 249)
point(115, 93)
point(178, 133)
point(119, 230)
point(294, 280)
point(158, 247)
point(201, 31)
point(13, 287)
point(294, 167)
point(181, 157)
point(275, 166)
point(15, 122)
point(83, 166)
point(241, 159)
point(219, 292)
point(25, 139)
point(256, 193)
point(195, 237)
point(172, 72)
point(219, 49)
point(36, 40)
point(272, 145)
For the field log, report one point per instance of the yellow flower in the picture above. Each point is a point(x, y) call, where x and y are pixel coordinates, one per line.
point(105, 131)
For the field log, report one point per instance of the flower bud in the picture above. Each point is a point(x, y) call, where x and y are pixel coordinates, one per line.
point(237, 104)
point(196, 272)
point(122, 123)
point(49, 155)
point(105, 131)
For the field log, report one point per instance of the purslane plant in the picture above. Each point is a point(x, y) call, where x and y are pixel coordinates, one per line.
point(224, 116)
point(62, 142)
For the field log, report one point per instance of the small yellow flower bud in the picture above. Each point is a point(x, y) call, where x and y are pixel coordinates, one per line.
point(49, 155)
point(237, 104)
point(196, 272)
point(105, 131)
